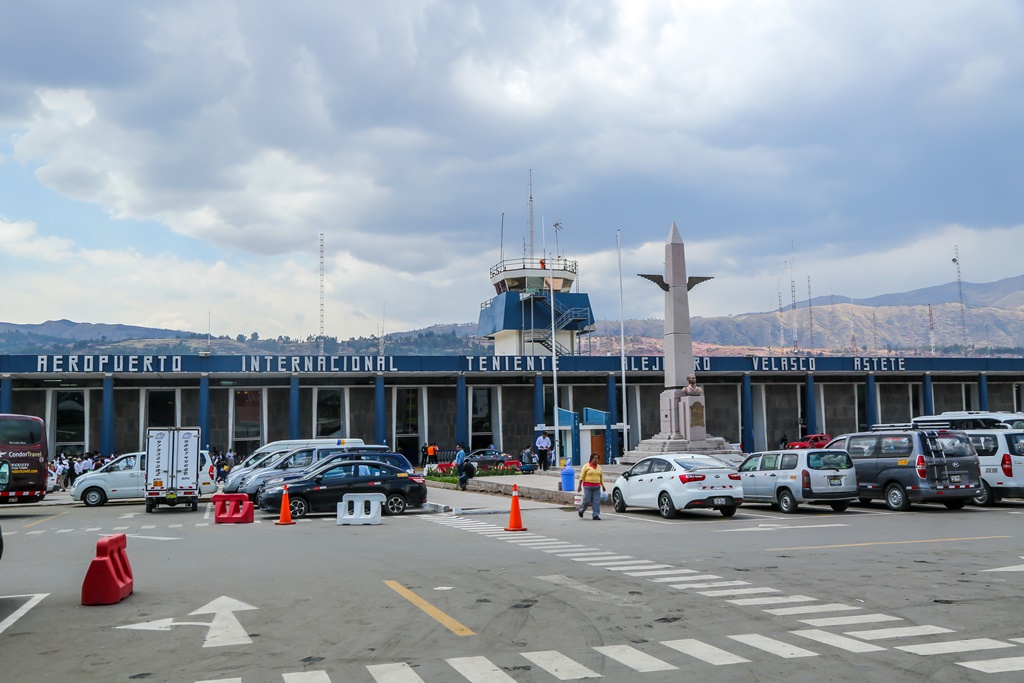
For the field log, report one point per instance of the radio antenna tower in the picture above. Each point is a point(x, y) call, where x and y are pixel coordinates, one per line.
point(931, 329)
point(782, 324)
point(531, 213)
point(321, 294)
point(810, 314)
point(960, 289)
point(792, 291)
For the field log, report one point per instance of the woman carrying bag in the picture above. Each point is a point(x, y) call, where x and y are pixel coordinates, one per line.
point(592, 484)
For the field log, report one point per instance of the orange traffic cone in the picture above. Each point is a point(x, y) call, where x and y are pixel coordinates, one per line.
point(515, 520)
point(286, 509)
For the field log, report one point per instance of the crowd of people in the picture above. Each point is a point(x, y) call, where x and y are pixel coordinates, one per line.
point(67, 468)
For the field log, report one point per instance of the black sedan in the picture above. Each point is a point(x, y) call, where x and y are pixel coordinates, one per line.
point(488, 457)
point(321, 490)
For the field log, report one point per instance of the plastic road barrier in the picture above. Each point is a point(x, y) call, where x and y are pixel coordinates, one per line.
point(109, 579)
point(232, 508)
point(360, 508)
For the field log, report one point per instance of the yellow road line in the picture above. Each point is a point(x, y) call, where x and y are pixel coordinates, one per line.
point(859, 545)
point(445, 620)
point(46, 519)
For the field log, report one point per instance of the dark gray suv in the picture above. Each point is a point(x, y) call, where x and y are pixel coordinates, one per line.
point(904, 466)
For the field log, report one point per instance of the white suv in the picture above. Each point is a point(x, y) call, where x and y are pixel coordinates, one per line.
point(1001, 454)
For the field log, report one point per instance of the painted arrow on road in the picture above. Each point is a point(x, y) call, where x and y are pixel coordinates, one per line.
point(224, 629)
point(1012, 568)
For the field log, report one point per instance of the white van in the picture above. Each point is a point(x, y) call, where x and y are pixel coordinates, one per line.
point(970, 419)
point(278, 447)
point(1001, 454)
point(125, 477)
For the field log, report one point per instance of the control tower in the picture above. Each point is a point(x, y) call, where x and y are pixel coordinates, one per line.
point(519, 317)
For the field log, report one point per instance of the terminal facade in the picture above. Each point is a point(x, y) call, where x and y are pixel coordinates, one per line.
point(105, 403)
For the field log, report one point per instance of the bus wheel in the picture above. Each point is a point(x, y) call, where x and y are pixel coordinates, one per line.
point(93, 497)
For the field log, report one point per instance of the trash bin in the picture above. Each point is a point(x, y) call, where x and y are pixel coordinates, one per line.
point(568, 478)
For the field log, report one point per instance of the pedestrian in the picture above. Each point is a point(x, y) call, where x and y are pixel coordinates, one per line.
point(424, 454)
point(543, 449)
point(460, 466)
point(592, 485)
point(432, 451)
point(784, 441)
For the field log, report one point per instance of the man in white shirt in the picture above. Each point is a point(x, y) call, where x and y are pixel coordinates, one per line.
point(543, 450)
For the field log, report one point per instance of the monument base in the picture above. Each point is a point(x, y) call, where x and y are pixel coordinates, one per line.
point(713, 445)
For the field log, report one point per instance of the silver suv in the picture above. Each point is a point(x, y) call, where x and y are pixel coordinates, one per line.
point(803, 475)
point(905, 465)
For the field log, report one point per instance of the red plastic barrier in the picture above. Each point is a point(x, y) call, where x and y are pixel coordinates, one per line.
point(109, 579)
point(445, 467)
point(232, 508)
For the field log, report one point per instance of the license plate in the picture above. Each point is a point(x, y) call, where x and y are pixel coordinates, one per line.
point(719, 501)
point(172, 496)
point(835, 481)
point(954, 478)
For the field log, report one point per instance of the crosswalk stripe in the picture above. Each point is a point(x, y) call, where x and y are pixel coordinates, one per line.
point(650, 566)
point(222, 680)
point(663, 572)
point(953, 646)
point(836, 640)
point(307, 677)
point(852, 619)
point(810, 609)
point(772, 646)
point(996, 666)
point(393, 673)
point(565, 552)
point(547, 544)
point(590, 556)
point(598, 560)
point(95, 528)
point(704, 652)
point(902, 632)
point(690, 577)
point(568, 547)
point(712, 584)
point(611, 564)
point(479, 670)
point(40, 531)
point(737, 591)
point(560, 666)
point(634, 658)
point(174, 526)
point(773, 600)
point(67, 531)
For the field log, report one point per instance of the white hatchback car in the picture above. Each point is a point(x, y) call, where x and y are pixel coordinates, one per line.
point(674, 482)
point(1001, 455)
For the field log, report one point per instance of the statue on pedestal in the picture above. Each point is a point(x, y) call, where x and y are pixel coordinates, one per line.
point(691, 388)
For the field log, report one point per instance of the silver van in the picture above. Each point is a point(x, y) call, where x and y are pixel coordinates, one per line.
point(802, 475)
point(258, 458)
point(294, 461)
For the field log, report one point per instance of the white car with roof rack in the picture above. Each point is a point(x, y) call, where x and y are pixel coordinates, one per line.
point(1001, 454)
point(970, 419)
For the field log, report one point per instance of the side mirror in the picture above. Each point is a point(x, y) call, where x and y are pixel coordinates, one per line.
point(627, 475)
point(318, 478)
point(5, 475)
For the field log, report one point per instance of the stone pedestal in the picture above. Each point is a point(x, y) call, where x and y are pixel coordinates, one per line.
point(683, 430)
point(691, 418)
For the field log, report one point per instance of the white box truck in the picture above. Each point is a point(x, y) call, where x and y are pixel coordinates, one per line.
point(172, 467)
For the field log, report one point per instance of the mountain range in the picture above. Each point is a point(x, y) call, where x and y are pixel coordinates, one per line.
point(927, 320)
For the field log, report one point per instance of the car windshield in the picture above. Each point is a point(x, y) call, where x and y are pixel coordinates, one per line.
point(955, 444)
point(829, 460)
point(1015, 443)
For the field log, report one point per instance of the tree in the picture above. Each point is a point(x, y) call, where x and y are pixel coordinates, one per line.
point(255, 336)
point(240, 339)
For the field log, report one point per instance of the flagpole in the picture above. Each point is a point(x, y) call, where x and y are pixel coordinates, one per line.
point(622, 349)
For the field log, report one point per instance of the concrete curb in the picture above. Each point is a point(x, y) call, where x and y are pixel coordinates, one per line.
point(484, 486)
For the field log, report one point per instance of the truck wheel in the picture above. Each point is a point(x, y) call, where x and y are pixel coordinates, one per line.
point(150, 505)
point(93, 497)
point(195, 505)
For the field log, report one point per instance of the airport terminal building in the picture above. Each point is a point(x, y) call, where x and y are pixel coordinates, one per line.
point(105, 403)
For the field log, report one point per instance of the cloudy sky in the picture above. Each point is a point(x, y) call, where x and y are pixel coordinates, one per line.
point(163, 160)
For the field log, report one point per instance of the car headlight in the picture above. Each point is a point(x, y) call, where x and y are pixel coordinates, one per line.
point(273, 489)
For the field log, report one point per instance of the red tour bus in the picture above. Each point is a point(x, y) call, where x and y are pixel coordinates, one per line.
point(23, 444)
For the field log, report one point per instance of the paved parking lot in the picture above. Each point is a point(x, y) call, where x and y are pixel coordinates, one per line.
point(864, 595)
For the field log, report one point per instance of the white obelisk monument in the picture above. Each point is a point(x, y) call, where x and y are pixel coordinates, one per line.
point(683, 407)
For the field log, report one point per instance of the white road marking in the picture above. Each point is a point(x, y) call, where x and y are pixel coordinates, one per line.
point(479, 670)
point(307, 677)
point(778, 527)
point(565, 552)
point(597, 559)
point(634, 658)
point(174, 526)
point(811, 609)
point(772, 646)
point(148, 526)
point(393, 673)
point(590, 556)
point(612, 564)
point(40, 531)
point(560, 666)
point(774, 600)
point(34, 599)
point(64, 531)
point(120, 528)
point(836, 640)
point(153, 538)
point(595, 594)
point(711, 584)
point(852, 619)
point(93, 528)
point(737, 591)
point(1012, 568)
point(222, 680)
point(704, 652)
point(128, 516)
point(650, 566)
point(996, 666)
point(904, 632)
point(569, 547)
point(692, 577)
point(662, 572)
point(545, 544)
point(208, 524)
point(208, 511)
point(954, 646)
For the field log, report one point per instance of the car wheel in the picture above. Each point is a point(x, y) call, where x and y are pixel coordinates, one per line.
point(840, 507)
point(298, 506)
point(618, 502)
point(395, 504)
point(955, 504)
point(728, 511)
point(984, 497)
point(665, 506)
point(93, 497)
point(787, 503)
point(896, 498)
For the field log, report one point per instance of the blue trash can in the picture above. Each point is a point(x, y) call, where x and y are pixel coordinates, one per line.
point(568, 478)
